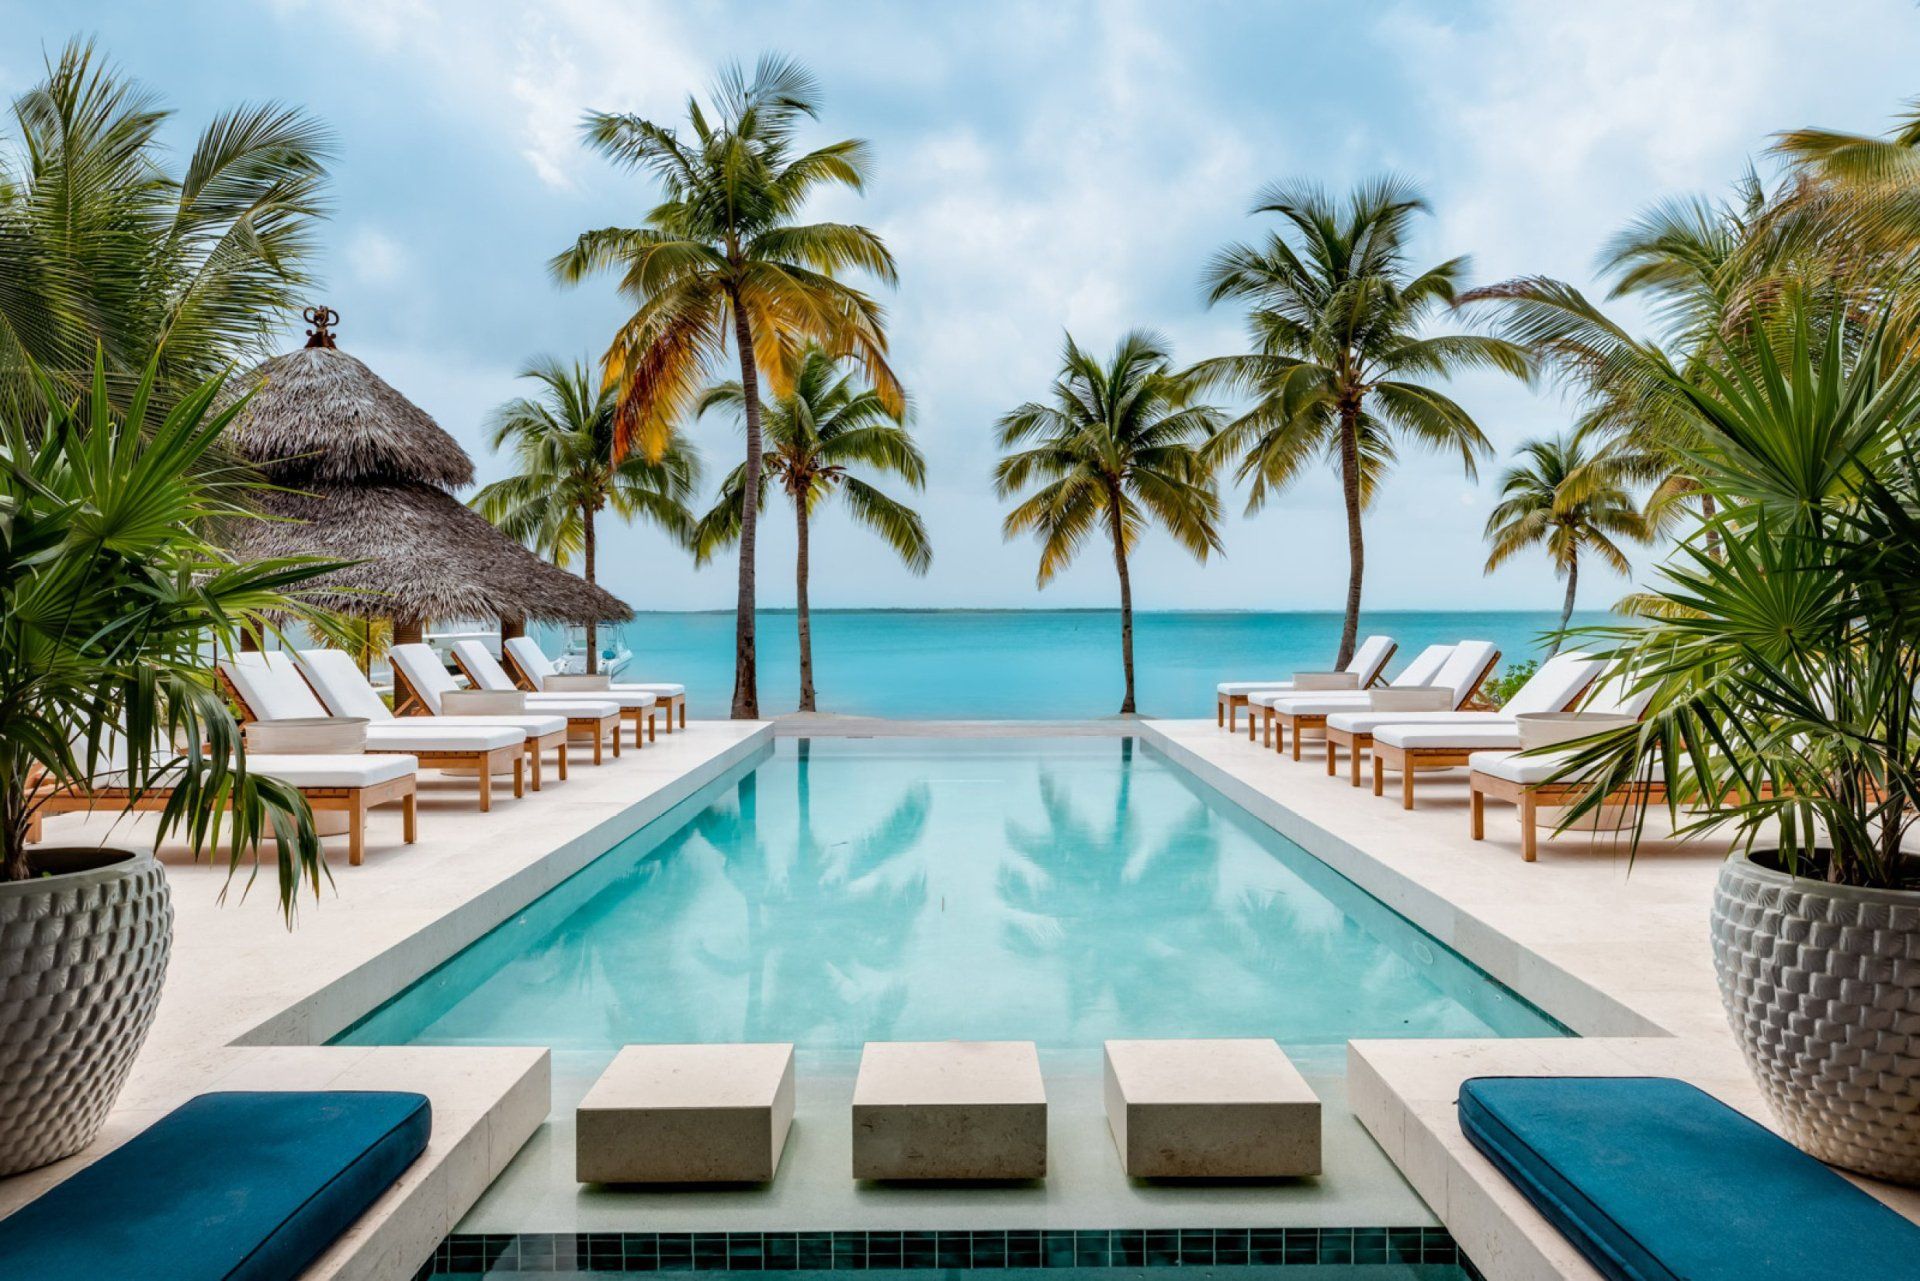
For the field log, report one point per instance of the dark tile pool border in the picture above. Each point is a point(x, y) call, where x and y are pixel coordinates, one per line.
point(468, 1254)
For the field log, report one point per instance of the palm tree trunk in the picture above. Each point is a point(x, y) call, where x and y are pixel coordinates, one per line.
point(1126, 595)
point(586, 546)
point(1707, 511)
point(746, 686)
point(1566, 608)
point(1356, 545)
point(800, 570)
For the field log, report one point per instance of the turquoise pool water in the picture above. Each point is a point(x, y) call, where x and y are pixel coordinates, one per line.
point(1029, 664)
point(1064, 891)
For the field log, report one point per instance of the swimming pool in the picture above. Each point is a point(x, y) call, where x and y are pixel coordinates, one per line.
point(839, 891)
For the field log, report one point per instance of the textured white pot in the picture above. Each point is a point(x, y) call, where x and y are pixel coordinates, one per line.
point(82, 956)
point(1822, 986)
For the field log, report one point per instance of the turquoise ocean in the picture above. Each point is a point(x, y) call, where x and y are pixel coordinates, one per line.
point(1029, 664)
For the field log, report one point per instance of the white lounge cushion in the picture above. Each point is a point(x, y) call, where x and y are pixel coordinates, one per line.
point(1424, 667)
point(1465, 668)
point(442, 734)
point(534, 662)
point(533, 725)
point(344, 687)
point(1553, 688)
point(1480, 734)
point(271, 686)
point(304, 771)
point(1614, 695)
point(658, 691)
point(423, 670)
point(611, 698)
point(568, 708)
point(1530, 770)
point(1319, 703)
point(479, 663)
point(1368, 658)
point(333, 771)
point(1368, 722)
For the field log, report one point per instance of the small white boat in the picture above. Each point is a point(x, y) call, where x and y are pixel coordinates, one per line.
point(614, 656)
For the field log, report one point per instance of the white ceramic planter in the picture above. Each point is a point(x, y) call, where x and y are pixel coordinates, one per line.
point(82, 957)
point(1822, 986)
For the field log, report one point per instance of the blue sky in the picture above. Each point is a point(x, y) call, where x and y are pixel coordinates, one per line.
point(1042, 167)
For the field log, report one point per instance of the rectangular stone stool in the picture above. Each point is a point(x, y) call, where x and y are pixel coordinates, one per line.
point(686, 1114)
point(1210, 1109)
point(949, 1110)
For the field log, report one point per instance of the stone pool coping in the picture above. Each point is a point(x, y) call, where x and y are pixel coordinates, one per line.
point(1616, 949)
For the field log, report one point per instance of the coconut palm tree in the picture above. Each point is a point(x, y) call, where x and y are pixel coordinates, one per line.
point(1341, 362)
point(724, 258)
point(562, 442)
point(1118, 445)
point(1559, 497)
point(104, 245)
point(825, 427)
point(1698, 264)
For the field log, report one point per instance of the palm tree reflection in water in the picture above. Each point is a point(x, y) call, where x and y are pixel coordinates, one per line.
point(825, 929)
point(1123, 909)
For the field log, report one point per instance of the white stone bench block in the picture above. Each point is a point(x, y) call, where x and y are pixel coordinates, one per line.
point(1210, 1109)
point(949, 1110)
point(686, 1114)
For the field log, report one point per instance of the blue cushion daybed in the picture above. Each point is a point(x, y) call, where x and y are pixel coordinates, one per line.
point(1654, 1180)
point(227, 1187)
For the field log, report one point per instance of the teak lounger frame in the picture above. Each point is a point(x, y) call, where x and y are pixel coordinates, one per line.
point(1411, 760)
point(1531, 796)
point(1267, 730)
point(354, 802)
point(638, 715)
point(1357, 741)
point(407, 702)
point(484, 762)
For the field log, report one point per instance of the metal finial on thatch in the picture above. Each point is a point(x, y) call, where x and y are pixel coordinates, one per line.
point(366, 476)
point(322, 319)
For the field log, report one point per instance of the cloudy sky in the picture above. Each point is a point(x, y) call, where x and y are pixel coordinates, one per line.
point(1043, 167)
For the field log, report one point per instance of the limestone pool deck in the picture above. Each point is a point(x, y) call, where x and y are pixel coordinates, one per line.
point(247, 1001)
point(1616, 949)
point(1617, 953)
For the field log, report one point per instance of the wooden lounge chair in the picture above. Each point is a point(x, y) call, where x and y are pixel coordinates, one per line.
point(268, 686)
point(530, 667)
point(1369, 660)
point(421, 683)
point(1281, 711)
point(1459, 679)
point(484, 672)
point(349, 784)
point(340, 683)
point(1419, 743)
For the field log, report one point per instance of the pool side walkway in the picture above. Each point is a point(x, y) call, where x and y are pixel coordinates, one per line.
point(246, 999)
point(1615, 948)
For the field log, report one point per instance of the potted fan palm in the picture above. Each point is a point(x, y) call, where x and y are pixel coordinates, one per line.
point(1784, 655)
point(112, 594)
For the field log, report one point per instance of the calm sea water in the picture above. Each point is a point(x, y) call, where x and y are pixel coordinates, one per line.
point(1029, 664)
point(852, 890)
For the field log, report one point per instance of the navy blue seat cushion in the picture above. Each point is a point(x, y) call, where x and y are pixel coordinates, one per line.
point(226, 1187)
point(1655, 1180)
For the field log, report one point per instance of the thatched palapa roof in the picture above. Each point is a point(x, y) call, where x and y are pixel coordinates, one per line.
point(368, 477)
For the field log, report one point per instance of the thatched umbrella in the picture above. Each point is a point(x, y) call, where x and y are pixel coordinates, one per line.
point(368, 476)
